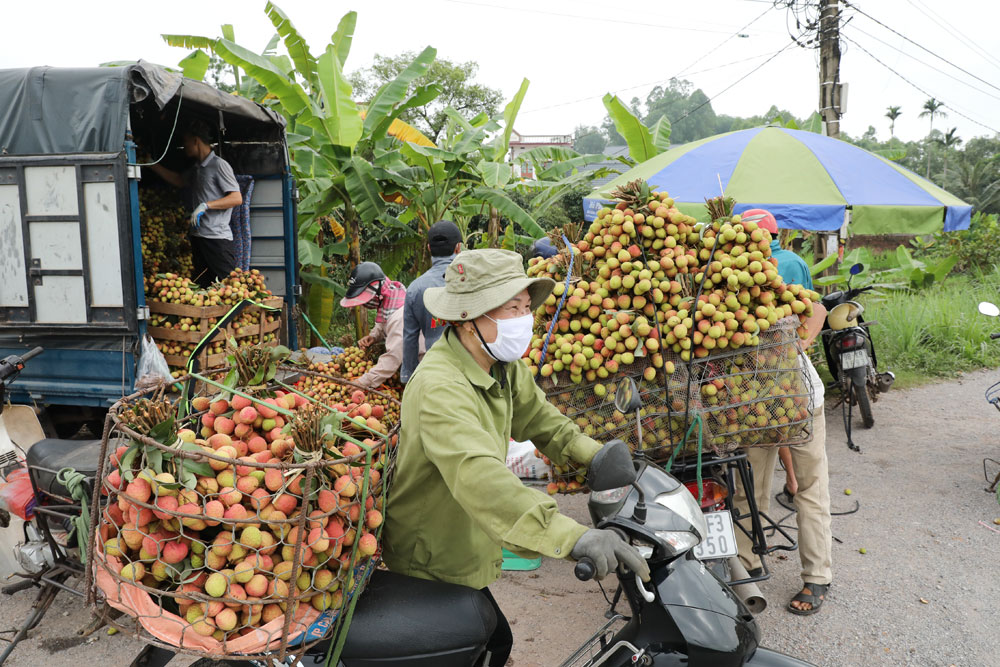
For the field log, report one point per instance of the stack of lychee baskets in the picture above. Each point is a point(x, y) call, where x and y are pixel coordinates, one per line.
point(241, 522)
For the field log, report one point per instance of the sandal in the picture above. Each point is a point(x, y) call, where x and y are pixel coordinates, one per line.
point(815, 599)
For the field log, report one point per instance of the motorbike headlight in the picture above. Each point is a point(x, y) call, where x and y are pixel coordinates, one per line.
point(609, 497)
point(682, 503)
point(678, 541)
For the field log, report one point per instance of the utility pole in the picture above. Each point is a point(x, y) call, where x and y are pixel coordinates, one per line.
point(829, 90)
point(829, 67)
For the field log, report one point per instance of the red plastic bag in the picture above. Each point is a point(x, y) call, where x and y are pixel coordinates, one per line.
point(17, 495)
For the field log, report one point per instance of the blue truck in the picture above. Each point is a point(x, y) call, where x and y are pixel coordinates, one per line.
point(71, 264)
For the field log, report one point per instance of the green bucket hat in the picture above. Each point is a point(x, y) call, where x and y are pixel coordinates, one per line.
point(477, 281)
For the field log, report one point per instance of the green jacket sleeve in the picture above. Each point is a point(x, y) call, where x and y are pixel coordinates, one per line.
point(472, 464)
point(537, 420)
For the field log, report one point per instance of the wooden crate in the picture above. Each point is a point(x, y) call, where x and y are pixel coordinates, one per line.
point(207, 317)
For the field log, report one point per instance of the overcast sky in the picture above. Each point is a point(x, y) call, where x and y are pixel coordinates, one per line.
point(574, 51)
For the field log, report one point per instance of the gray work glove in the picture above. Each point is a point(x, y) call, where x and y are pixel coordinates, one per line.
point(606, 548)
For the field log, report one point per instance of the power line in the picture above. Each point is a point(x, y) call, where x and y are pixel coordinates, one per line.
point(925, 64)
point(964, 39)
point(709, 100)
point(657, 82)
point(734, 83)
point(601, 19)
point(893, 30)
point(873, 57)
point(678, 74)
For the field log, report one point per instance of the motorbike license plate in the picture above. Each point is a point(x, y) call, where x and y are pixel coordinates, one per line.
point(854, 359)
point(721, 539)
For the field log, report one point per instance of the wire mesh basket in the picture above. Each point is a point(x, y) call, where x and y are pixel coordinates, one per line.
point(241, 525)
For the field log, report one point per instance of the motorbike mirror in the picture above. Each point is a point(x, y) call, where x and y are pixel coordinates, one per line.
point(857, 268)
point(987, 308)
point(611, 467)
point(627, 396)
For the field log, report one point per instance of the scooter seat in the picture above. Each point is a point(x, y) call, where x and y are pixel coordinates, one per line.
point(402, 620)
point(47, 457)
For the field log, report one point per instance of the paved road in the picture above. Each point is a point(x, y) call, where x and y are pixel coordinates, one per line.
point(926, 593)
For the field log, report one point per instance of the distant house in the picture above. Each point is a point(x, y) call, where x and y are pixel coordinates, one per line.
point(521, 143)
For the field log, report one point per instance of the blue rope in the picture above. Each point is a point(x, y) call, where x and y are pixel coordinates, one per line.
point(555, 318)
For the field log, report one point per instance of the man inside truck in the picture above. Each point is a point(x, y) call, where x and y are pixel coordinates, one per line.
point(211, 191)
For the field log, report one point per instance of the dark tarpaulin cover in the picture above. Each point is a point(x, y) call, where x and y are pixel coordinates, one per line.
point(49, 110)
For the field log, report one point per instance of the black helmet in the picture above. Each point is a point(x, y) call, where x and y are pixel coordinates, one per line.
point(363, 275)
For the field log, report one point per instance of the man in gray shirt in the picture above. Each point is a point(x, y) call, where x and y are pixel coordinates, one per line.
point(212, 193)
point(445, 241)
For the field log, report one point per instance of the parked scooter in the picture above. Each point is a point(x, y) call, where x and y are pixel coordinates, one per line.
point(850, 354)
point(685, 615)
point(993, 398)
point(33, 548)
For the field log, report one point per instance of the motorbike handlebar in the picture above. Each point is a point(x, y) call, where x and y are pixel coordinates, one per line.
point(585, 569)
point(32, 353)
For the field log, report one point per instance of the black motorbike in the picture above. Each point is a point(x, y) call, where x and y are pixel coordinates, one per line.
point(850, 353)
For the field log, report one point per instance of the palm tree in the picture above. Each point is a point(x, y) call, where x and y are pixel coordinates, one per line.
point(892, 114)
point(950, 140)
point(932, 107)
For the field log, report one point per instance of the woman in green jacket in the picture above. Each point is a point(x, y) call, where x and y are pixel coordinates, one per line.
point(454, 504)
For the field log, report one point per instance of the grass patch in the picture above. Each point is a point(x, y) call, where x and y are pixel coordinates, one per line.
point(936, 332)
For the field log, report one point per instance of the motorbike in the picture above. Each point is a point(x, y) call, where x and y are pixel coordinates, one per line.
point(37, 543)
point(993, 398)
point(850, 354)
point(686, 615)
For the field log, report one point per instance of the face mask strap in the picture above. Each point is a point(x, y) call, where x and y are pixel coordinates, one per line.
point(486, 346)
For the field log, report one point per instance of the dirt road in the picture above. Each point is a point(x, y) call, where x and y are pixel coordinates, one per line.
point(925, 593)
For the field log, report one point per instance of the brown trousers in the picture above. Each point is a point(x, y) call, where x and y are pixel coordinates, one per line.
point(812, 502)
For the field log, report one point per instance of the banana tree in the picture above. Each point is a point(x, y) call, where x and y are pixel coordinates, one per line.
point(332, 141)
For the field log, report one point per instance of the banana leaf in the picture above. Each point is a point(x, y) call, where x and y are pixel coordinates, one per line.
point(291, 95)
point(364, 190)
point(510, 111)
point(661, 133)
point(341, 118)
point(509, 210)
point(344, 36)
point(394, 92)
point(495, 174)
point(637, 136)
point(195, 64)
point(295, 43)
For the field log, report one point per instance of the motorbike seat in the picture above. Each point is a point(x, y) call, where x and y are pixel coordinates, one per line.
point(424, 622)
point(47, 457)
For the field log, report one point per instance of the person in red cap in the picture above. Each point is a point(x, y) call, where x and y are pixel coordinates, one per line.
point(368, 287)
point(807, 475)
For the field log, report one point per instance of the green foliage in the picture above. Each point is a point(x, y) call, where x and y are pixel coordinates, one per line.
point(937, 332)
point(589, 139)
point(637, 136)
point(456, 81)
point(976, 248)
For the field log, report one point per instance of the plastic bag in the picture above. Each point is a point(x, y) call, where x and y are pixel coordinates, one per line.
point(521, 461)
point(153, 368)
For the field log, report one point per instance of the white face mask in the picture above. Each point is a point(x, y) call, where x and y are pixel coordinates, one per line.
point(513, 337)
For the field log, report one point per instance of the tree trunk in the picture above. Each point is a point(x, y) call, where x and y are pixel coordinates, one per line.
point(354, 257)
point(493, 229)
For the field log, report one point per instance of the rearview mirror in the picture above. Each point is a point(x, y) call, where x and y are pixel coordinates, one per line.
point(987, 308)
point(611, 468)
point(857, 268)
point(627, 396)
